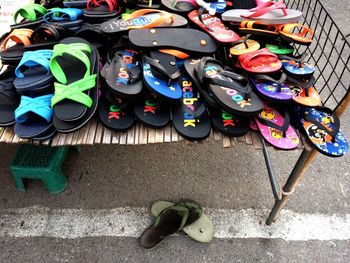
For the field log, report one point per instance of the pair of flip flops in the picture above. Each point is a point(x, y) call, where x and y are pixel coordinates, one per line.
point(177, 218)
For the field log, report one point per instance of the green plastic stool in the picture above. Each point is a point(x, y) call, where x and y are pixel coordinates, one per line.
point(40, 162)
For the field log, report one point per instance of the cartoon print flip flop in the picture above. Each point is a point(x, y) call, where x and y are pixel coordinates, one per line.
point(322, 126)
point(296, 66)
point(276, 129)
point(304, 92)
point(261, 61)
point(189, 116)
point(244, 46)
point(213, 26)
point(273, 89)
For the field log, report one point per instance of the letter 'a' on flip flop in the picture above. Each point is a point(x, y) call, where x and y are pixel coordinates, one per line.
point(201, 230)
point(276, 129)
point(143, 18)
point(269, 12)
point(152, 111)
point(322, 126)
point(213, 26)
point(304, 92)
point(230, 90)
point(228, 124)
point(189, 116)
point(116, 113)
point(183, 39)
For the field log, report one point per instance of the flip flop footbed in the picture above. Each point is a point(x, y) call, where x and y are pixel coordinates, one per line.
point(313, 99)
point(243, 48)
point(270, 90)
point(280, 50)
point(293, 68)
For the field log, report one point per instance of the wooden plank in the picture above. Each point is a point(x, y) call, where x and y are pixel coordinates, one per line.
point(10, 136)
point(15, 139)
point(69, 138)
point(130, 136)
point(98, 133)
point(35, 142)
point(137, 131)
point(107, 136)
point(143, 135)
point(2, 129)
point(75, 137)
point(4, 134)
point(122, 138)
point(159, 136)
point(174, 135)
point(167, 134)
point(217, 136)
point(62, 139)
point(233, 141)
point(257, 141)
point(241, 139)
point(151, 135)
point(226, 141)
point(83, 133)
point(89, 135)
point(23, 140)
point(248, 138)
point(115, 137)
point(46, 142)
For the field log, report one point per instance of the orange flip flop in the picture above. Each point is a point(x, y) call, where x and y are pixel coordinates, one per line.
point(304, 37)
point(304, 92)
point(258, 28)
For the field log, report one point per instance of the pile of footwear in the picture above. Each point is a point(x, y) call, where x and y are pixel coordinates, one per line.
point(199, 64)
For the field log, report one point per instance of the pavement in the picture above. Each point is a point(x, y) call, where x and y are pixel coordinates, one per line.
point(105, 206)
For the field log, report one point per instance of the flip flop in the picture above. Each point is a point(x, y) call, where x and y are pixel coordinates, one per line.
point(304, 92)
point(101, 9)
point(261, 61)
point(244, 46)
point(37, 73)
point(258, 28)
point(213, 26)
point(305, 36)
point(321, 126)
point(296, 67)
point(12, 54)
point(152, 111)
point(201, 230)
point(230, 90)
point(161, 74)
point(116, 113)
point(269, 12)
point(70, 18)
point(144, 18)
point(33, 116)
point(190, 117)
point(179, 6)
point(9, 98)
point(276, 129)
point(122, 72)
point(183, 39)
point(169, 222)
point(93, 34)
point(140, 4)
point(32, 15)
point(228, 124)
point(280, 49)
point(273, 89)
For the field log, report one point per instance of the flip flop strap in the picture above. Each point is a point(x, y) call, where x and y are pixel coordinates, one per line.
point(163, 18)
point(196, 113)
point(76, 50)
point(34, 58)
point(302, 84)
point(39, 106)
point(279, 82)
point(18, 36)
point(288, 29)
point(30, 12)
point(243, 40)
point(112, 4)
point(63, 14)
point(75, 91)
point(283, 128)
point(202, 11)
point(319, 125)
point(202, 64)
point(162, 70)
point(48, 30)
point(246, 90)
point(266, 7)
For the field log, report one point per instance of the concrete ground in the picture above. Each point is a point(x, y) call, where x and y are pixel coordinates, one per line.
point(232, 183)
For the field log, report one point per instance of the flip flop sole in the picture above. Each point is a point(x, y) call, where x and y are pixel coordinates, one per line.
point(33, 128)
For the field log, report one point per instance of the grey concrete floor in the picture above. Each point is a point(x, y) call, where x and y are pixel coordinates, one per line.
point(103, 177)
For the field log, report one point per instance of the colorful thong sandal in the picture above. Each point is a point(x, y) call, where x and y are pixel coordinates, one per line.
point(9, 98)
point(152, 111)
point(116, 113)
point(12, 54)
point(33, 116)
point(144, 18)
point(122, 72)
point(258, 28)
point(213, 26)
point(304, 37)
point(321, 126)
point(244, 46)
point(269, 12)
point(296, 67)
point(37, 73)
point(161, 74)
point(179, 6)
point(280, 47)
point(305, 92)
point(276, 129)
point(260, 62)
point(102, 9)
point(230, 90)
point(32, 15)
point(273, 89)
point(202, 230)
point(228, 124)
point(74, 64)
point(170, 221)
point(190, 117)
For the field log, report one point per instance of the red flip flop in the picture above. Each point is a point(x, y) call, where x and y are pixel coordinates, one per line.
point(213, 26)
point(260, 61)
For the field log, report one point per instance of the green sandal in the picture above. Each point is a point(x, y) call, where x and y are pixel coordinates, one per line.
point(32, 16)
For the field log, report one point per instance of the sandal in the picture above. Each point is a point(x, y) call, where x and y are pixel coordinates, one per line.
point(258, 28)
point(304, 92)
point(102, 9)
point(70, 18)
point(296, 67)
point(305, 36)
point(244, 46)
point(32, 16)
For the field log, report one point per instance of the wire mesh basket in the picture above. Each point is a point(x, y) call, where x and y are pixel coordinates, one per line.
point(330, 52)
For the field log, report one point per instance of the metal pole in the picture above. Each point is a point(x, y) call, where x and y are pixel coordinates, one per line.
point(293, 180)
